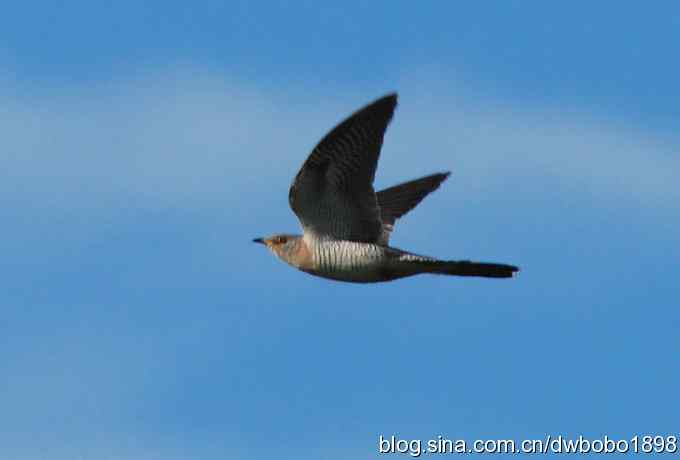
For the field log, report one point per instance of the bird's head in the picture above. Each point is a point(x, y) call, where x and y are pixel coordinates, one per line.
point(282, 245)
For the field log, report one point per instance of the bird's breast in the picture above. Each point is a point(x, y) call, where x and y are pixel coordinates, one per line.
point(348, 260)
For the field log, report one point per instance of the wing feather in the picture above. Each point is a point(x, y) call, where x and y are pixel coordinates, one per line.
point(333, 194)
point(396, 201)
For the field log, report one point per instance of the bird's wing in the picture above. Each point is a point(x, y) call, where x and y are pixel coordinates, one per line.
point(396, 201)
point(333, 194)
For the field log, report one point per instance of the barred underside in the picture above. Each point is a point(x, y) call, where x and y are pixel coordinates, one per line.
point(363, 262)
point(333, 256)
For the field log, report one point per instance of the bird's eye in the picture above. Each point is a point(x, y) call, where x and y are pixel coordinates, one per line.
point(281, 240)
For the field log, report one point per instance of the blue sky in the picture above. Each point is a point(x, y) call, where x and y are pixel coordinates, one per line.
point(143, 147)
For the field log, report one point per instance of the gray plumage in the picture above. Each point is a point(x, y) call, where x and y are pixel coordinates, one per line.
point(346, 224)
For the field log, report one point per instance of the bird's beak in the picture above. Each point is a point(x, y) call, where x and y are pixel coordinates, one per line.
point(259, 240)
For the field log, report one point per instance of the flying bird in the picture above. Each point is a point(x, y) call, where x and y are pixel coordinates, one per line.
point(346, 224)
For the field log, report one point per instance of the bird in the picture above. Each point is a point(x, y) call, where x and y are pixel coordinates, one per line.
point(346, 225)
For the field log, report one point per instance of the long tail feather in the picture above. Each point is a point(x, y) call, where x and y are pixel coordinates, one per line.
point(467, 268)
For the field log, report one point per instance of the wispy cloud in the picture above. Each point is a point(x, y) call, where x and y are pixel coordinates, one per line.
point(195, 139)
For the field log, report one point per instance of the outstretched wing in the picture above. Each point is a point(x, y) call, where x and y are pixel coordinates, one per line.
point(333, 194)
point(396, 201)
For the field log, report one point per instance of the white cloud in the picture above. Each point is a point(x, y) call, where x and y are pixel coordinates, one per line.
point(197, 139)
point(487, 143)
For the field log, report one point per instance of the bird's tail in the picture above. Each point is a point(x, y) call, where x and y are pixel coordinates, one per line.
point(467, 268)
